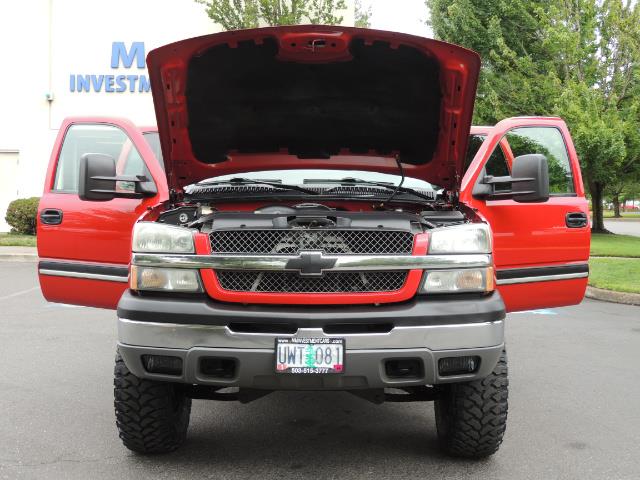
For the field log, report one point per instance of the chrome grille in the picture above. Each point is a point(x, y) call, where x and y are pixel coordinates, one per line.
point(330, 282)
point(329, 241)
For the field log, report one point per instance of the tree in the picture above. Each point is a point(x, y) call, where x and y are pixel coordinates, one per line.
point(232, 14)
point(506, 35)
point(362, 15)
point(239, 14)
point(596, 99)
point(577, 59)
point(620, 191)
point(631, 193)
point(597, 134)
point(614, 191)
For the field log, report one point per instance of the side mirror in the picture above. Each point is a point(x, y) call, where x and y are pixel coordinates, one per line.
point(529, 181)
point(531, 178)
point(97, 180)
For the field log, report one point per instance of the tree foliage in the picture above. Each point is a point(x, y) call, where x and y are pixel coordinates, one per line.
point(621, 190)
point(362, 15)
point(239, 14)
point(578, 59)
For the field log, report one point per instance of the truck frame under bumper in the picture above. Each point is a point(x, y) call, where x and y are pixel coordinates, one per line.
point(415, 331)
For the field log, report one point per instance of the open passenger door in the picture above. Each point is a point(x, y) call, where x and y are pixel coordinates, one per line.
point(541, 249)
point(85, 246)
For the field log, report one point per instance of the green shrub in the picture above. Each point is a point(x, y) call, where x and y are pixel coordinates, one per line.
point(22, 214)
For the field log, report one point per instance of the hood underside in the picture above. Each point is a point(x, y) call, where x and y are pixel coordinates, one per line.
point(313, 97)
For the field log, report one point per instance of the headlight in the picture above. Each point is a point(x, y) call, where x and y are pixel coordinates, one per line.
point(159, 279)
point(152, 237)
point(458, 281)
point(467, 238)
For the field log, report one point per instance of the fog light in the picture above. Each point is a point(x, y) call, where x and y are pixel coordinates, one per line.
point(162, 364)
point(218, 367)
point(404, 368)
point(458, 365)
point(158, 279)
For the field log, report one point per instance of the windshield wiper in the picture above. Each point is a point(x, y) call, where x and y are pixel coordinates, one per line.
point(248, 181)
point(349, 181)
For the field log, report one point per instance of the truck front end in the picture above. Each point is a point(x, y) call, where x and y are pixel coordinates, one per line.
point(313, 239)
point(226, 303)
point(311, 298)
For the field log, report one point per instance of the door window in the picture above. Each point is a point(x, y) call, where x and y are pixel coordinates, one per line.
point(496, 165)
point(130, 164)
point(96, 138)
point(547, 141)
point(153, 139)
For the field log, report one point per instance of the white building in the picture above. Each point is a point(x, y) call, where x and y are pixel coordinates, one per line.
point(78, 57)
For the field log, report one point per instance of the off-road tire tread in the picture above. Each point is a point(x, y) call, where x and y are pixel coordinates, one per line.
point(147, 418)
point(471, 417)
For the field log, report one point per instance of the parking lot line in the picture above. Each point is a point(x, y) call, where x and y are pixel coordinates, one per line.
point(17, 294)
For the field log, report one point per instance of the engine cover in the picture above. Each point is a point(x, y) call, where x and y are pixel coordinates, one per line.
point(316, 219)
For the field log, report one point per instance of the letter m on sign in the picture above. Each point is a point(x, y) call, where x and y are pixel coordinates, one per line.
point(119, 54)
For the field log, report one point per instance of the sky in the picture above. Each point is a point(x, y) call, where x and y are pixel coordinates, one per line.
point(406, 16)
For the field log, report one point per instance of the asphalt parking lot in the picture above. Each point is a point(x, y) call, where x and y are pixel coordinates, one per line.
point(574, 407)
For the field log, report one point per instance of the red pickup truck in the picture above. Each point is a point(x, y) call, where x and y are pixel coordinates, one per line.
point(314, 212)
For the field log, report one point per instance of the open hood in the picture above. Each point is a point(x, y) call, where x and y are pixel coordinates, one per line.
point(313, 96)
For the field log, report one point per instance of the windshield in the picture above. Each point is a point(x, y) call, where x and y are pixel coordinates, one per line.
point(475, 141)
point(302, 176)
point(153, 139)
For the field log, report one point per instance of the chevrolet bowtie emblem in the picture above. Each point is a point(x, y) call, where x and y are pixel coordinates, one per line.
point(310, 264)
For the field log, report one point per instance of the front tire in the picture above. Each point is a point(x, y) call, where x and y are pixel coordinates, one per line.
point(471, 417)
point(151, 416)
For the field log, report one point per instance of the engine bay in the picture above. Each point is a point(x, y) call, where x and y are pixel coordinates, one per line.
point(310, 216)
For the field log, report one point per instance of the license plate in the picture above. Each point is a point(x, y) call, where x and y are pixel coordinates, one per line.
point(309, 355)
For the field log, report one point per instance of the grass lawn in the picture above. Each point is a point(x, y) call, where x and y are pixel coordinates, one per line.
point(17, 240)
point(604, 245)
point(619, 274)
point(626, 216)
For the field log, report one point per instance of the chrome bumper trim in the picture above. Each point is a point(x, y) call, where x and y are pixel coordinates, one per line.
point(432, 337)
point(342, 262)
point(542, 278)
point(84, 275)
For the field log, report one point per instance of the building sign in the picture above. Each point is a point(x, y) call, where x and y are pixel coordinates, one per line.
point(118, 82)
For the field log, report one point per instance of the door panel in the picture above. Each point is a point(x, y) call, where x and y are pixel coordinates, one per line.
point(559, 293)
point(536, 234)
point(541, 261)
point(84, 258)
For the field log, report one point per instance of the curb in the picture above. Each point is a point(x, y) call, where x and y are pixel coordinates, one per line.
point(18, 257)
point(611, 296)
